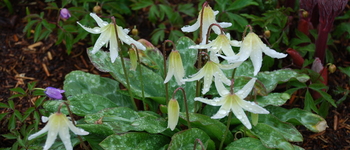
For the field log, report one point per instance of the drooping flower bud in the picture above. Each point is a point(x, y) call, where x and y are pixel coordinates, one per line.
point(133, 58)
point(173, 113)
point(64, 13)
point(54, 93)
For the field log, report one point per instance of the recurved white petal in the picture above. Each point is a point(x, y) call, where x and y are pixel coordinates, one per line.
point(51, 136)
point(191, 28)
point(98, 20)
point(95, 30)
point(256, 58)
point(218, 101)
point(113, 48)
point(65, 137)
point(223, 111)
point(272, 53)
point(252, 107)
point(76, 130)
point(42, 131)
point(243, 93)
point(102, 40)
point(128, 40)
point(221, 88)
point(240, 114)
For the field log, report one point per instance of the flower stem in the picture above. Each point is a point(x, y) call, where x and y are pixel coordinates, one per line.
point(123, 65)
point(227, 129)
point(140, 78)
point(186, 106)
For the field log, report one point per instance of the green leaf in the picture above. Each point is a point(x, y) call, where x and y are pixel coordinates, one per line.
point(271, 79)
point(141, 4)
point(151, 123)
point(247, 143)
point(18, 89)
point(83, 104)
point(152, 81)
point(287, 130)
point(275, 99)
point(39, 101)
point(119, 119)
point(78, 82)
point(187, 9)
point(3, 105)
point(27, 113)
point(29, 25)
point(214, 128)
point(239, 4)
point(135, 140)
point(9, 136)
point(37, 32)
point(11, 104)
point(297, 116)
point(309, 103)
point(270, 137)
point(2, 115)
point(187, 138)
point(97, 129)
point(345, 70)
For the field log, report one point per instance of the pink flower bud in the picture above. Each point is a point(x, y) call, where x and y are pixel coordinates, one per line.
point(65, 13)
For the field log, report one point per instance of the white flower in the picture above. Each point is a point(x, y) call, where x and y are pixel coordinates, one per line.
point(58, 124)
point(208, 16)
point(175, 68)
point(173, 113)
point(222, 43)
point(210, 69)
point(253, 47)
point(108, 34)
point(234, 102)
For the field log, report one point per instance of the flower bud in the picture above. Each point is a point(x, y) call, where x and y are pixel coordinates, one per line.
point(332, 68)
point(173, 113)
point(134, 31)
point(64, 13)
point(305, 14)
point(97, 9)
point(267, 33)
point(54, 93)
point(133, 59)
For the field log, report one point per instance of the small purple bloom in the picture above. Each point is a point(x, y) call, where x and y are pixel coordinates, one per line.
point(65, 13)
point(54, 93)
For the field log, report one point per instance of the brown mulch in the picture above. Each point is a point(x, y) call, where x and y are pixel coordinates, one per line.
point(23, 61)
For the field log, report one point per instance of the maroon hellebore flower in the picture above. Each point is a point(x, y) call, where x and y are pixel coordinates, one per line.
point(307, 7)
point(54, 93)
point(64, 13)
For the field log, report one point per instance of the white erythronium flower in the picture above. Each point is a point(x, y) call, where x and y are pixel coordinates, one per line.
point(108, 34)
point(253, 47)
point(58, 124)
point(175, 68)
point(234, 102)
point(210, 69)
point(208, 16)
point(173, 113)
point(222, 43)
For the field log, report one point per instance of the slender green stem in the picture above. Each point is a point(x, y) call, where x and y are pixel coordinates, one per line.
point(186, 105)
point(141, 80)
point(200, 142)
point(227, 129)
point(123, 65)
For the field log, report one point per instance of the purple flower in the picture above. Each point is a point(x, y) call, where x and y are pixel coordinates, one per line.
point(54, 93)
point(65, 13)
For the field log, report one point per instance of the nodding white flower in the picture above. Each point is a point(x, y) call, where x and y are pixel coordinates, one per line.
point(173, 113)
point(222, 43)
point(108, 35)
point(175, 68)
point(212, 69)
point(234, 102)
point(253, 47)
point(208, 16)
point(58, 124)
